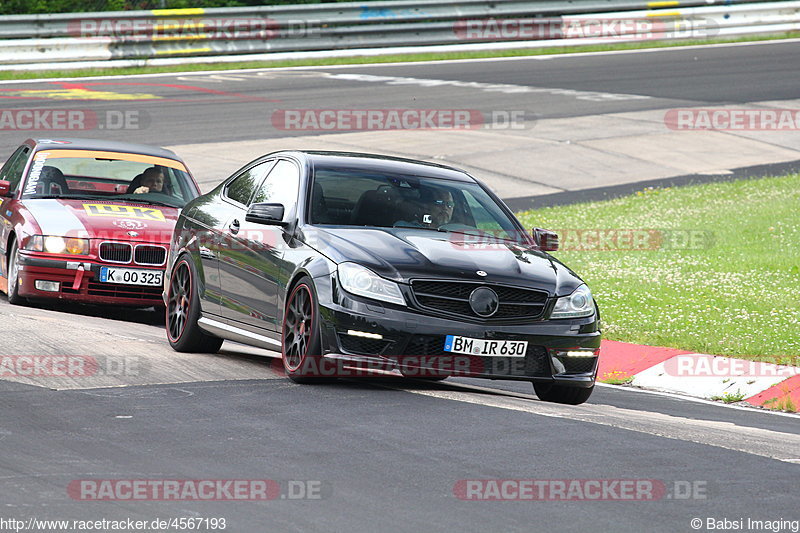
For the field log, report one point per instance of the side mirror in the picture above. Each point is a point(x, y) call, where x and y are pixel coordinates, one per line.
point(546, 240)
point(5, 188)
point(268, 214)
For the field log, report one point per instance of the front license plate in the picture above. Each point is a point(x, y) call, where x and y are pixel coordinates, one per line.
point(485, 347)
point(131, 276)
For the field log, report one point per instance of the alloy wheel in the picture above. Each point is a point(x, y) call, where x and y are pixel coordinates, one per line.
point(298, 325)
point(179, 299)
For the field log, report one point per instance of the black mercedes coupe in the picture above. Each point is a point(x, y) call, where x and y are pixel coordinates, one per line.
point(360, 265)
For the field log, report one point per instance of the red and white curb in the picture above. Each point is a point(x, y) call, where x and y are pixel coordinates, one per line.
point(700, 375)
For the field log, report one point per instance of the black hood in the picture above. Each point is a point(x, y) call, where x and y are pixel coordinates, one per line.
point(403, 254)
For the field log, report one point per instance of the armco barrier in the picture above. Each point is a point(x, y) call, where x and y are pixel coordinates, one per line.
point(183, 33)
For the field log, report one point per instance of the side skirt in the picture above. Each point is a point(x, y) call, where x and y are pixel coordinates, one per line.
point(226, 331)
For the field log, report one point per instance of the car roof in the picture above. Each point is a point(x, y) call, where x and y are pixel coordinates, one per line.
point(74, 143)
point(380, 163)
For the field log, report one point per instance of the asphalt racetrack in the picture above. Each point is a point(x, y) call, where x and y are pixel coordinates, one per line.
point(393, 454)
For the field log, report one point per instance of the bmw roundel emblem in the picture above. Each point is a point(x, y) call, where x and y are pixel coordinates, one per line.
point(481, 273)
point(133, 233)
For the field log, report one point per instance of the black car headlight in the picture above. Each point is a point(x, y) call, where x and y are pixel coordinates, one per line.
point(578, 304)
point(362, 281)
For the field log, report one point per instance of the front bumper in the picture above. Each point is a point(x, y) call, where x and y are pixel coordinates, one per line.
point(81, 286)
point(372, 336)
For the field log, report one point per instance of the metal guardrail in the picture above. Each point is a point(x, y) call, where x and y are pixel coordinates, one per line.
point(334, 15)
point(137, 35)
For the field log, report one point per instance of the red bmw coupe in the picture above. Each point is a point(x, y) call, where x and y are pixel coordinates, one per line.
point(89, 220)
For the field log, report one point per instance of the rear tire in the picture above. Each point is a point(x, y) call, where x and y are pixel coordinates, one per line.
point(549, 392)
point(13, 277)
point(183, 311)
point(301, 346)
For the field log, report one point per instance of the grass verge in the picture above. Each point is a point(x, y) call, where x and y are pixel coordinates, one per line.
point(782, 403)
point(730, 397)
point(732, 292)
point(616, 377)
point(10, 74)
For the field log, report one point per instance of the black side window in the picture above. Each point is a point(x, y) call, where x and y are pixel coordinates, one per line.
point(12, 170)
point(281, 185)
point(243, 186)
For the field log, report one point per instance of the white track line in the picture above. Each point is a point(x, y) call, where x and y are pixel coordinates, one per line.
point(756, 441)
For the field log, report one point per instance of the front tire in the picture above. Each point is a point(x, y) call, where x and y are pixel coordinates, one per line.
point(13, 277)
point(549, 392)
point(183, 311)
point(301, 346)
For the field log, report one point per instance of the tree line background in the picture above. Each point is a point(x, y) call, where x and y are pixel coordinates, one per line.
point(22, 7)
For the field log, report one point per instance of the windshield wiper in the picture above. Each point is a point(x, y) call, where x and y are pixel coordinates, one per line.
point(120, 198)
point(144, 201)
point(64, 197)
point(414, 227)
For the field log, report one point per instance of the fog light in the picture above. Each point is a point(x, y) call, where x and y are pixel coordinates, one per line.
point(364, 334)
point(575, 353)
point(49, 286)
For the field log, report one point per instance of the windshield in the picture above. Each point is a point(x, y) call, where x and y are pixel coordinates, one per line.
point(85, 174)
point(348, 197)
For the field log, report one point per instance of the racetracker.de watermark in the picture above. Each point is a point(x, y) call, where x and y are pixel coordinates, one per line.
point(593, 239)
point(733, 119)
point(494, 359)
point(703, 366)
point(176, 523)
point(70, 366)
point(599, 28)
point(398, 119)
point(200, 28)
point(72, 119)
point(592, 490)
point(241, 490)
point(138, 220)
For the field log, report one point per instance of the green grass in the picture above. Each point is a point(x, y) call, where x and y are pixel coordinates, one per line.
point(781, 403)
point(616, 377)
point(736, 296)
point(730, 397)
point(10, 74)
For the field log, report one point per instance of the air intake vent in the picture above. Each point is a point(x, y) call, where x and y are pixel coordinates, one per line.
point(115, 252)
point(146, 254)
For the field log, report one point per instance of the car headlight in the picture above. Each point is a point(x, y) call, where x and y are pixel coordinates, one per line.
point(362, 281)
point(55, 244)
point(578, 304)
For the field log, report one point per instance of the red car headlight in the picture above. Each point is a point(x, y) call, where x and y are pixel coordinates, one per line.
point(55, 244)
